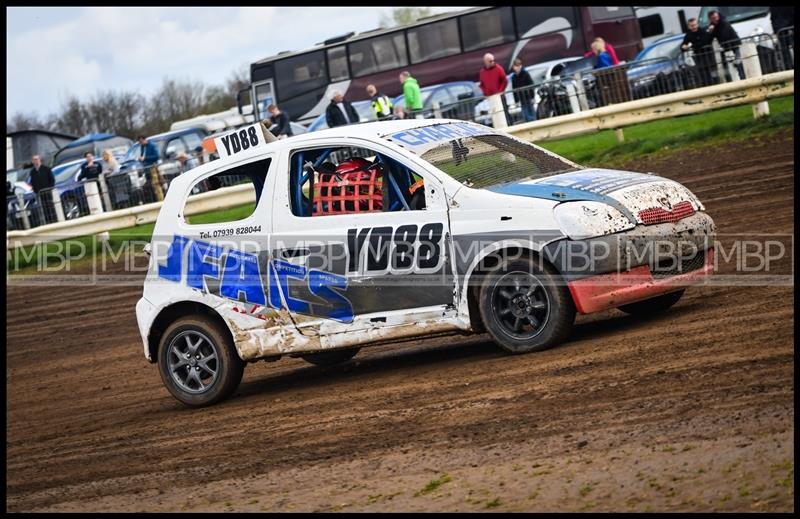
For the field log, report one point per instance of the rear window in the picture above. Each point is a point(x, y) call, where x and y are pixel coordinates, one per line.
point(488, 160)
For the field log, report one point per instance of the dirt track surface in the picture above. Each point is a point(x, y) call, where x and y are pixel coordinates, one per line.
point(688, 410)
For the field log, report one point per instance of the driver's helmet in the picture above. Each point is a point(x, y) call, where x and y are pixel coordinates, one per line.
point(355, 186)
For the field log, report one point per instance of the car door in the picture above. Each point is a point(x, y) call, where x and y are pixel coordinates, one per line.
point(371, 269)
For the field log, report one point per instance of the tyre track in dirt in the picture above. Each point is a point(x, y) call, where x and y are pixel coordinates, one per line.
point(89, 425)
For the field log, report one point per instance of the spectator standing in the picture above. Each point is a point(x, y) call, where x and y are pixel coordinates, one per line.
point(185, 162)
point(783, 17)
point(699, 42)
point(281, 120)
point(381, 104)
point(493, 81)
point(90, 170)
point(723, 31)
point(726, 36)
point(112, 166)
point(340, 112)
point(609, 48)
point(148, 152)
point(492, 77)
point(522, 80)
point(41, 175)
point(412, 96)
point(42, 181)
point(603, 57)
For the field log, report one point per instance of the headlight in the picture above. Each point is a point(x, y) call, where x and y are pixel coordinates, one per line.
point(581, 220)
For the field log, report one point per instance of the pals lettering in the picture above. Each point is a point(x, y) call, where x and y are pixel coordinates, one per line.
point(254, 279)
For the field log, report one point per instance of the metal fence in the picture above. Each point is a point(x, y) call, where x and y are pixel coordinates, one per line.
point(73, 199)
point(593, 88)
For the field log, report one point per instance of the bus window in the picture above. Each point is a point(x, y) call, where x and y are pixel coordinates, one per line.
point(530, 17)
point(378, 54)
point(301, 73)
point(433, 41)
point(487, 28)
point(337, 63)
point(602, 13)
point(651, 25)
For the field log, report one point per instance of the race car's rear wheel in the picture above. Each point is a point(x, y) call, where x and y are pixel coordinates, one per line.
point(331, 358)
point(654, 304)
point(198, 362)
point(526, 307)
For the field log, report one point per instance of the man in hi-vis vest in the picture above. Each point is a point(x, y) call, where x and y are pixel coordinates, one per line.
point(381, 104)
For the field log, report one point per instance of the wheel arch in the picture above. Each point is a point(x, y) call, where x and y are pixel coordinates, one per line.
point(170, 314)
point(485, 262)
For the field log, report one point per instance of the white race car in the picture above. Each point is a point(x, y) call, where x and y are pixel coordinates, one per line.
point(377, 232)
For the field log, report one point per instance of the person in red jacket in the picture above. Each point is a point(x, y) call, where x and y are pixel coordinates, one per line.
point(611, 53)
point(493, 77)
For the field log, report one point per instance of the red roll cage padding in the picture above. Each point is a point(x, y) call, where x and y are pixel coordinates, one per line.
point(356, 187)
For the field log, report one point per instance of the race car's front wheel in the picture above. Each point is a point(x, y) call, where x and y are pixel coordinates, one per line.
point(653, 305)
point(198, 362)
point(526, 306)
point(330, 358)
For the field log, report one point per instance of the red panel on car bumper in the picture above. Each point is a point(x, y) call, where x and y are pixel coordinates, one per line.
point(606, 291)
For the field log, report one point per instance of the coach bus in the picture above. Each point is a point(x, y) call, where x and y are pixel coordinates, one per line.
point(438, 49)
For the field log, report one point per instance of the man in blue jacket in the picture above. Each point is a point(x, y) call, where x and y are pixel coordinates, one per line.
point(148, 152)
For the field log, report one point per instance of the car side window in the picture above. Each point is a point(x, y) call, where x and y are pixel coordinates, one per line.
point(253, 174)
point(326, 181)
point(441, 96)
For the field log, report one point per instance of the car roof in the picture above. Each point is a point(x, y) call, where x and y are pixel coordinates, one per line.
point(175, 133)
point(665, 39)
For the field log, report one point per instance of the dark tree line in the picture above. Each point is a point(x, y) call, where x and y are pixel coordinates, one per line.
point(129, 113)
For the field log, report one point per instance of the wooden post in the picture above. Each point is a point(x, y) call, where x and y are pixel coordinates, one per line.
point(498, 115)
point(104, 191)
point(155, 181)
point(581, 91)
point(437, 110)
point(57, 205)
point(720, 68)
point(619, 135)
point(752, 68)
point(26, 224)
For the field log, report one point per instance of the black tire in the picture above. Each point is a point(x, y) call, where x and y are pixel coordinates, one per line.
point(654, 304)
point(540, 296)
point(330, 358)
point(212, 381)
point(543, 110)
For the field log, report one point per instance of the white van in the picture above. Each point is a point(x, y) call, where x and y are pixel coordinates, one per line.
point(746, 21)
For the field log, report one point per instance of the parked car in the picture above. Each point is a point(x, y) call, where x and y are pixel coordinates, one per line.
point(457, 100)
point(169, 144)
point(661, 68)
point(363, 108)
point(93, 142)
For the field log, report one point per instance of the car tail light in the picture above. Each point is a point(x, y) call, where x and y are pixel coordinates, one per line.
point(656, 215)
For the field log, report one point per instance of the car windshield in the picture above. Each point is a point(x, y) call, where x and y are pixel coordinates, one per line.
point(732, 14)
point(16, 175)
point(483, 161)
point(668, 49)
